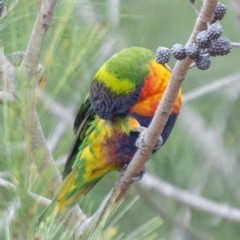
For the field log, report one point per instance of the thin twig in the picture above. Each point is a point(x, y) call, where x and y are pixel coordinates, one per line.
point(58, 132)
point(192, 65)
point(235, 44)
point(40, 199)
point(73, 215)
point(191, 200)
point(8, 185)
point(194, 7)
point(63, 113)
point(210, 87)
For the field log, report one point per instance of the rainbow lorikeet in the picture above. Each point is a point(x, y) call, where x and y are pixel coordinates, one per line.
point(122, 101)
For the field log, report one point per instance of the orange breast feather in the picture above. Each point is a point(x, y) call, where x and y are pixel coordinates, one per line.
point(152, 91)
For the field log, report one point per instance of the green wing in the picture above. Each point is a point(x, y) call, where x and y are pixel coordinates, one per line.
point(84, 116)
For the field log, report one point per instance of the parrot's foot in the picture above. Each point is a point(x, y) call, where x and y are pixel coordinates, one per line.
point(122, 169)
point(140, 141)
point(138, 177)
point(159, 143)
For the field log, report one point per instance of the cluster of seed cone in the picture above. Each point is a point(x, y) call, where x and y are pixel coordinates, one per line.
point(209, 43)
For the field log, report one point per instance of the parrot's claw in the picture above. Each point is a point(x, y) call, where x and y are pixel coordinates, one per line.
point(138, 177)
point(158, 144)
point(122, 169)
point(140, 141)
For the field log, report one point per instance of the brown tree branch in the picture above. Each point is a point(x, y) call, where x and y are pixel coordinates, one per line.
point(28, 73)
point(28, 77)
point(29, 66)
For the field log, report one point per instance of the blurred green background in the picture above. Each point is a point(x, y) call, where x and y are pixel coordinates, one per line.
point(202, 154)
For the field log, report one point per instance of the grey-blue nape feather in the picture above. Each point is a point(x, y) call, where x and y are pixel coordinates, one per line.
point(106, 104)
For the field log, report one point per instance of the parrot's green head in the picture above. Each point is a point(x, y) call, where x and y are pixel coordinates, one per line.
point(117, 85)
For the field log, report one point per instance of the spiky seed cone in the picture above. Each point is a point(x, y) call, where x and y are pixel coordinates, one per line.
point(220, 47)
point(203, 62)
point(204, 52)
point(220, 12)
point(192, 51)
point(214, 31)
point(178, 51)
point(202, 39)
point(163, 55)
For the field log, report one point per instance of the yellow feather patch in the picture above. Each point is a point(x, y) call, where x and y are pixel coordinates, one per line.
point(66, 184)
point(126, 125)
point(68, 202)
point(112, 82)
